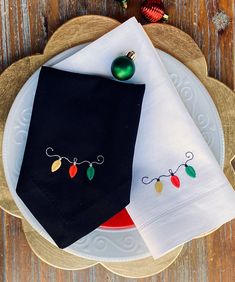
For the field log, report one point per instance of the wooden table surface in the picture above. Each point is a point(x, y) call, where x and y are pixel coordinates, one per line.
point(25, 27)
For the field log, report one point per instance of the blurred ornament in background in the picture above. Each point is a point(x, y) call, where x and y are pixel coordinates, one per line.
point(123, 3)
point(221, 20)
point(153, 11)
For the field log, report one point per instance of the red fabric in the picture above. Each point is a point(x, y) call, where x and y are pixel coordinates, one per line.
point(121, 220)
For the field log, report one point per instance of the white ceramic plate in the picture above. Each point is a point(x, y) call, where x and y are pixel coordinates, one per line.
point(103, 244)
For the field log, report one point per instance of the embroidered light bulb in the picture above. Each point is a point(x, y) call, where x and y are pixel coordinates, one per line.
point(56, 165)
point(175, 180)
point(158, 186)
point(90, 172)
point(73, 170)
point(190, 171)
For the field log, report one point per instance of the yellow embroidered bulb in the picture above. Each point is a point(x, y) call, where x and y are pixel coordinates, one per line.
point(56, 165)
point(158, 186)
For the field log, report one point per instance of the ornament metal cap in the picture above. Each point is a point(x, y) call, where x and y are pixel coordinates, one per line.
point(165, 18)
point(131, 55)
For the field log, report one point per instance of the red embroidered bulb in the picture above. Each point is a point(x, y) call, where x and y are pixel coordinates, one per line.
point(73, 170)
point(175, 180)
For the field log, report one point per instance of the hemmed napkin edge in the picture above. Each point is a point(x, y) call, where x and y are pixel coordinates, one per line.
point(188, 214)
point(53, 217)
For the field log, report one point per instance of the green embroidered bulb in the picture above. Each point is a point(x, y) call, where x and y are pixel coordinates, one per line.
point(190, 171)
point(90, 172)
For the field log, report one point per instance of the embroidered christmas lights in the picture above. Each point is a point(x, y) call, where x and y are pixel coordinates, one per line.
point(172, 174)
point(73, 170)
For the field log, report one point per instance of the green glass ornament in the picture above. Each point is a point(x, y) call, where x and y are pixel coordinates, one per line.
point(123, 67)
point(190, 171)
point(90, 172)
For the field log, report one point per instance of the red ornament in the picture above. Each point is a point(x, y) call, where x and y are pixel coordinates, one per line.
point(153, 11)
point(73, 170)
point(175, 181)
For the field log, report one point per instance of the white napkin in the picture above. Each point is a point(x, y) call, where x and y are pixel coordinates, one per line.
point(166, 133)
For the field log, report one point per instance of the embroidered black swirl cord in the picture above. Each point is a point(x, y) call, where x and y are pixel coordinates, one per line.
point(172, 174)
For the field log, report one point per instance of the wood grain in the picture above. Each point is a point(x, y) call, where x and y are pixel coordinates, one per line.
point(25, 27)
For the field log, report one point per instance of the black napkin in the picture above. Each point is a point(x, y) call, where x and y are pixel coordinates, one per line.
point(82, 118)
